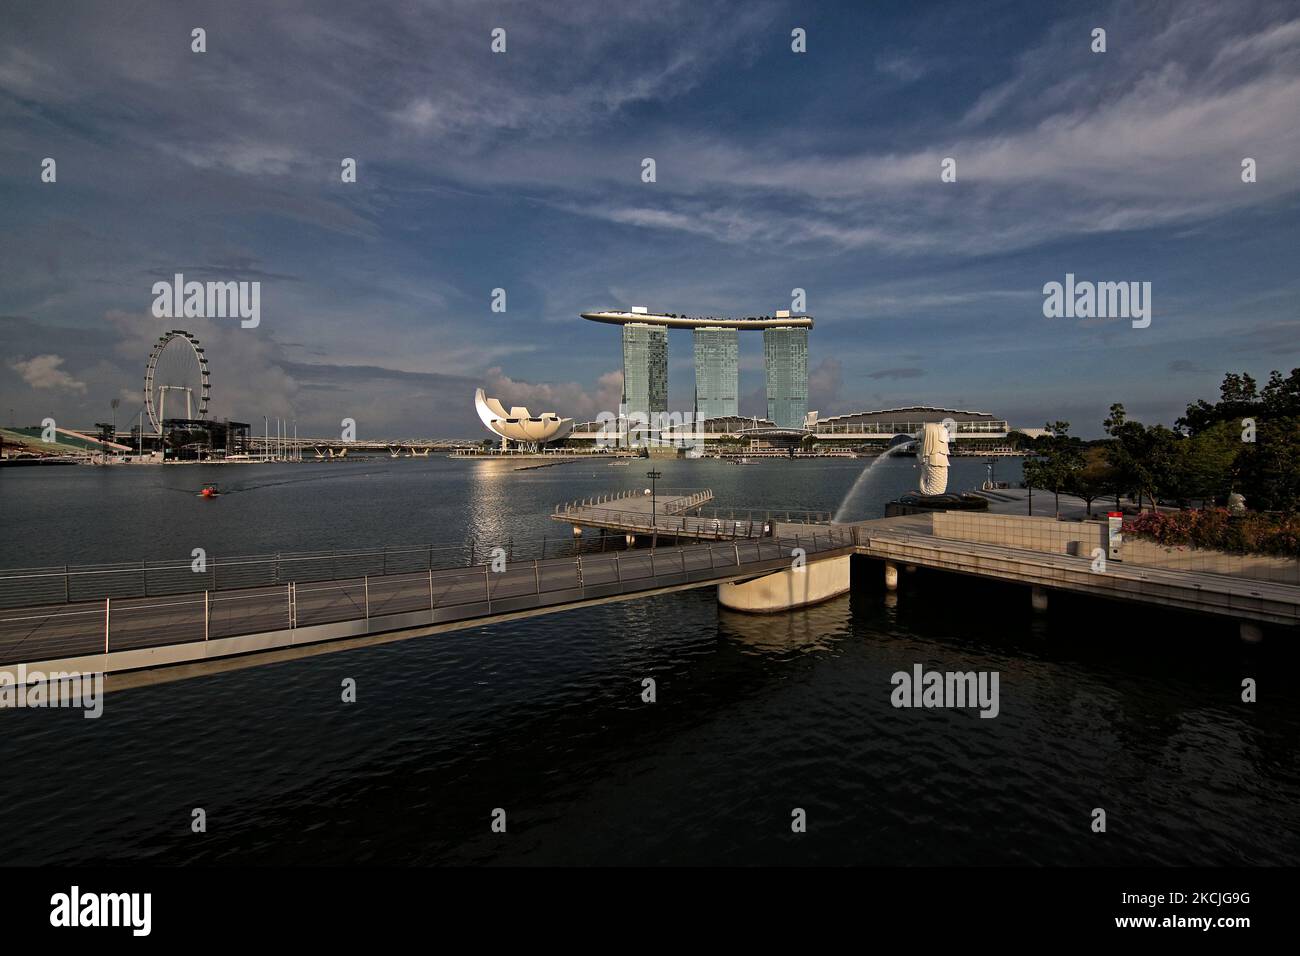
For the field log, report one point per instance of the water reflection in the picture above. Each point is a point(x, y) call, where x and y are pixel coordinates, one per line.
point(796, 632)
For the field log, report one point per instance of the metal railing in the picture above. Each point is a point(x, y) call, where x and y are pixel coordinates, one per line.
point(697, 521)
point(71, 584)
point(770, 516)
point(692, 496)
point(116, 624)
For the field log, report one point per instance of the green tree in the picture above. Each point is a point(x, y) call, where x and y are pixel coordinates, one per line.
point(1270, 468)
point(1056, 461)
point(1096, 477)
point(1205, 465)
point(1144, 458)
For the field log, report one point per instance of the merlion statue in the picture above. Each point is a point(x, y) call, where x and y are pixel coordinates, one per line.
point(934, 459)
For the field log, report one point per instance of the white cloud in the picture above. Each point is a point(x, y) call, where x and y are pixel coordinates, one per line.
point(42, 371)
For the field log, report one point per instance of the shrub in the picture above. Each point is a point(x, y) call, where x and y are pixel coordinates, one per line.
point(1221, 530)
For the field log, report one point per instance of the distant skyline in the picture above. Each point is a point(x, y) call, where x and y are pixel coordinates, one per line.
point(522, 171)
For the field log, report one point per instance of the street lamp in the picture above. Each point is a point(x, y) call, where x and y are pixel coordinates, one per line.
point(654, 476)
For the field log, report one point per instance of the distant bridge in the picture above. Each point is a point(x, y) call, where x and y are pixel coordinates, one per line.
point(260, 445)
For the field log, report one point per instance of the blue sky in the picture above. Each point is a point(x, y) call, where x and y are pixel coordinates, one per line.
point(521, 170)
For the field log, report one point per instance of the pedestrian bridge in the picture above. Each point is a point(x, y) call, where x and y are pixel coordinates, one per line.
point(116, 618)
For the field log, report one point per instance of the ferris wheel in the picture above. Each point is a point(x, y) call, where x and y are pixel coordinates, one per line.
point(176, 378)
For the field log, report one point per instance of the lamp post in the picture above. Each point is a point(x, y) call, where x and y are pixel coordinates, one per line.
point(654, 476)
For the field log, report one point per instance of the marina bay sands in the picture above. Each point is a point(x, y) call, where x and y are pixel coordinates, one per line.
point(645, 362)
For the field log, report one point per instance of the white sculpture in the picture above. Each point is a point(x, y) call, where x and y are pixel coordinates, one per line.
point(934, 459)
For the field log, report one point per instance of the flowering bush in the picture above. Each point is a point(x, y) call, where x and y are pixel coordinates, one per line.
point(1221, 530)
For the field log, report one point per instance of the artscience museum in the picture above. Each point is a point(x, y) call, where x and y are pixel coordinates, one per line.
point(519, 425)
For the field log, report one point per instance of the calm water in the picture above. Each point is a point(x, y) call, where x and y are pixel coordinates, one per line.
point(1101, 705)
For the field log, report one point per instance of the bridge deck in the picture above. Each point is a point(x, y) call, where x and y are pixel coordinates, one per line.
point(123, 634)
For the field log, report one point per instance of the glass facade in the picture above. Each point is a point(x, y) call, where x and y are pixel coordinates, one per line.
point(785, 359)
point(716, 373)
point(645, 368)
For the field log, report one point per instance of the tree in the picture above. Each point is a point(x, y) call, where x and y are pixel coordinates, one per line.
point(1205, 466)
point(1067, 459)
point(1238, 398)
point(1145, 458)
point(1096, 477)
point(1056, 462)
point(1270, 470)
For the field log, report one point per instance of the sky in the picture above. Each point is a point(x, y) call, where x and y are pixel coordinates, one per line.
point(775, 170)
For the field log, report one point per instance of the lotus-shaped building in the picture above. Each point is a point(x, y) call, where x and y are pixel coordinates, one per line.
point(518, 424)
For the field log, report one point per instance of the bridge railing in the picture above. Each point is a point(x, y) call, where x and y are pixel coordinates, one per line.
point(683, 498)
point(114, 624)
point(768, 515)
point(683, 514)
point(73, 584)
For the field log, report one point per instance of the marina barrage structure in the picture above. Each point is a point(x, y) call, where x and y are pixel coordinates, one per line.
point(717, 360)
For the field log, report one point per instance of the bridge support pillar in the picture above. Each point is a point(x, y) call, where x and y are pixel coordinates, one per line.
point(1251, 632)
point(577, 531)
point(1038, 597)
point(891, 576)
point(630, 539)
point(784, 590)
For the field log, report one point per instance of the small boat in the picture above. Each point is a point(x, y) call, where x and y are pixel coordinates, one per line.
point(211, 490)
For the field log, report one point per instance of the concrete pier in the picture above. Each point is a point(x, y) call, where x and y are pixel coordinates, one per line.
point(1038, 597)
point(813, 583)
point(891, 576)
